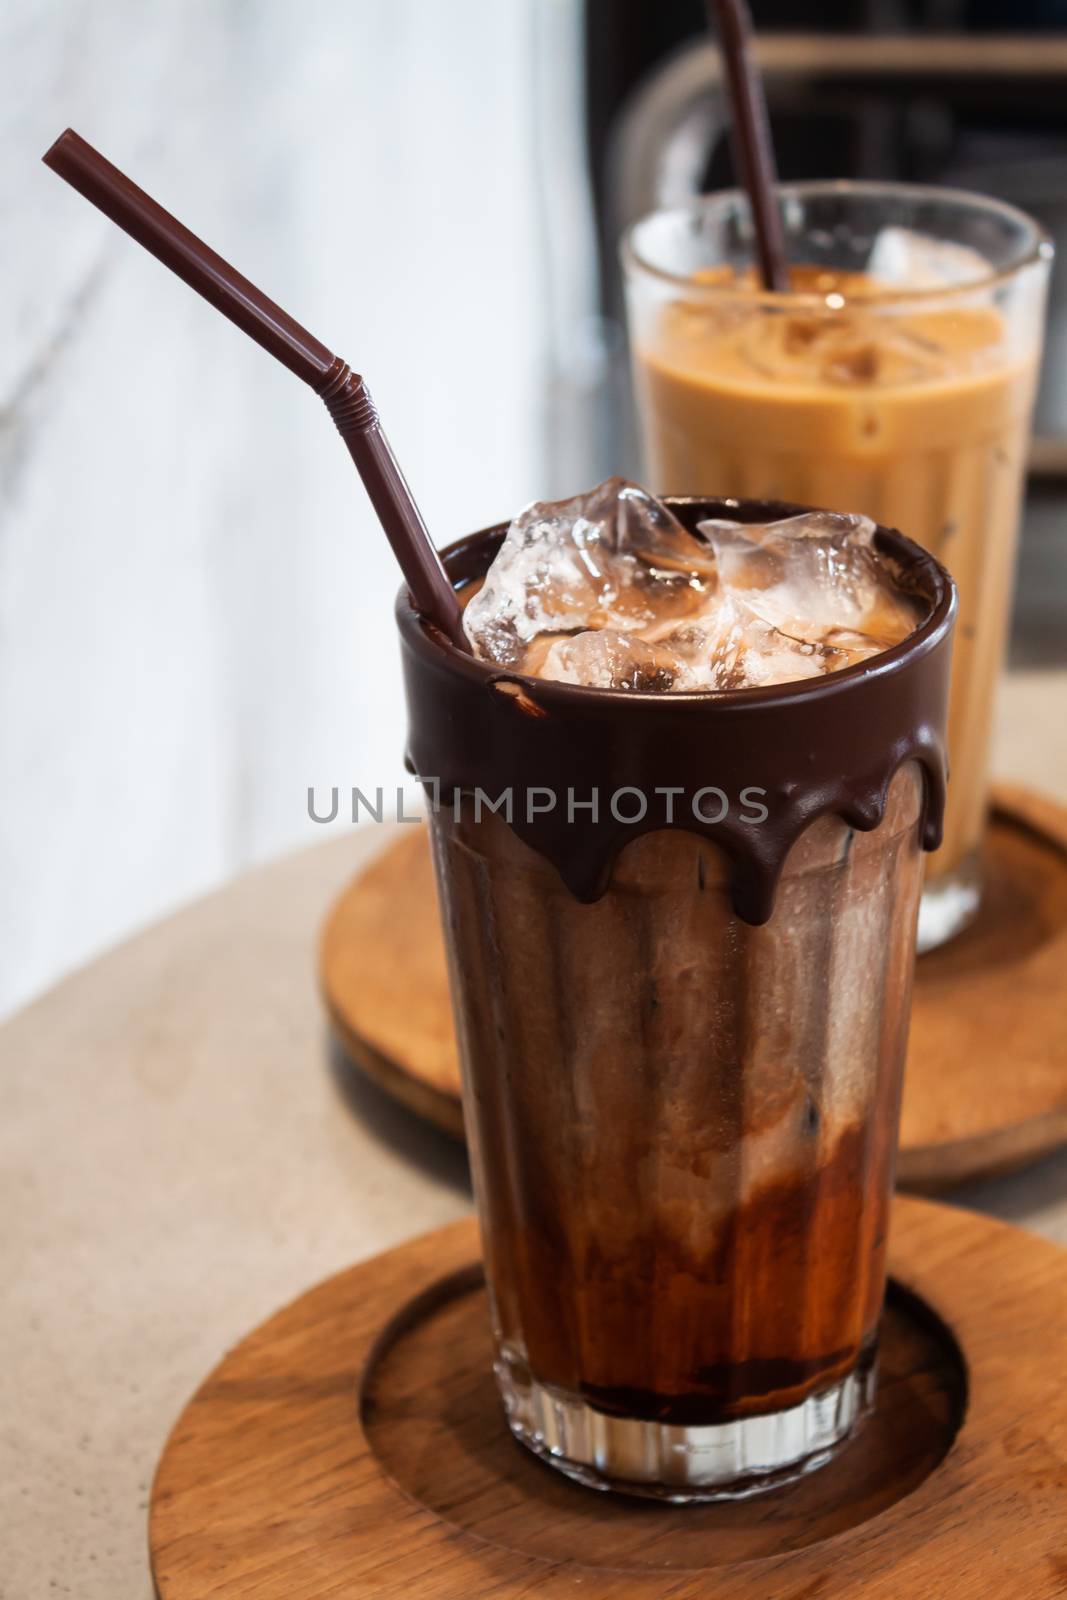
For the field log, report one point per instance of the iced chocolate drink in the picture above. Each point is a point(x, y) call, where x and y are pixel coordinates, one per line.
point(896, 379)
point(682, 791)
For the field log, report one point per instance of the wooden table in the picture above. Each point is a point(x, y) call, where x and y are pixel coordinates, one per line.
point(180, 1154)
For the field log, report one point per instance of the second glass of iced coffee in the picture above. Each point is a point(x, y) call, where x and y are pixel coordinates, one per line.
point(896, 379)
point(682, 790)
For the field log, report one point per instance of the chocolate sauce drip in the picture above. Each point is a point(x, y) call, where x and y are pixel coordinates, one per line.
point(829, 745)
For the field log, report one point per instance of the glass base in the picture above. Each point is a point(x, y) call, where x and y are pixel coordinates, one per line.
point(949, 904)
point(662, 1461)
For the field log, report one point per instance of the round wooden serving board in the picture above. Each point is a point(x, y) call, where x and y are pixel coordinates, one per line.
point(354, 1445)
point(986, 1085)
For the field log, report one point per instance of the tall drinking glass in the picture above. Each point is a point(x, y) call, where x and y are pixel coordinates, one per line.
point(896, 379)
point(681, 1028)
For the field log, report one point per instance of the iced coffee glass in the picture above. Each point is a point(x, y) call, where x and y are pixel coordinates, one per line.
point(682, 1042)
point(897, 379)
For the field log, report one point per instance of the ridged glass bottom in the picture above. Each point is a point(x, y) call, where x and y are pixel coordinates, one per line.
point(950, 904)
point(723, 1461)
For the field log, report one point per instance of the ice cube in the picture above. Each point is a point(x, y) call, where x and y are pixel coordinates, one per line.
point(614, 558)
point(610, 591)
point(815, 579)
point(905, 259)
point(611, 660)
point(744, 651)
point(851, 340)
point(854, 348)
point(725, 646)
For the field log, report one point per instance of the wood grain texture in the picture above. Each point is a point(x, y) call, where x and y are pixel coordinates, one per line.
point(986, 1085)
point(351, 1445)
point(432, 1417)
point(384, 981)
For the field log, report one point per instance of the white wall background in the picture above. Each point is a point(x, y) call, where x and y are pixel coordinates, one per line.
point(195, 601)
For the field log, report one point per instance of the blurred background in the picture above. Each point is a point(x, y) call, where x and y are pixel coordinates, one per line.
point(195, 601)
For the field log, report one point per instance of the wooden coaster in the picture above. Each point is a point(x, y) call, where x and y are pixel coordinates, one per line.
point(986, 1086)
point(383, 978)
point(354, 1444)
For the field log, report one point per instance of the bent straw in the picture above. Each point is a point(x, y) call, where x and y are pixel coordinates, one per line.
point(753, 150)
point(343, 390)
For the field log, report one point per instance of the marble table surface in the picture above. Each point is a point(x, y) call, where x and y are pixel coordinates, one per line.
point(181, 1152)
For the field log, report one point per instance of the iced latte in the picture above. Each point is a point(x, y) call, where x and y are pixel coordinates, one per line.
point(896, 379)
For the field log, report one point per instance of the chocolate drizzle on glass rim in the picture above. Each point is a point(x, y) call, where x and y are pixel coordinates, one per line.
point(816, 747)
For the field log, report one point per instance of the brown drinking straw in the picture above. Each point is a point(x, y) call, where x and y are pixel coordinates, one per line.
point(752, 147)
point(343, 390)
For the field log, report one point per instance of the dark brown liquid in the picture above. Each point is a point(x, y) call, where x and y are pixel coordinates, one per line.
point(683, 1125)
